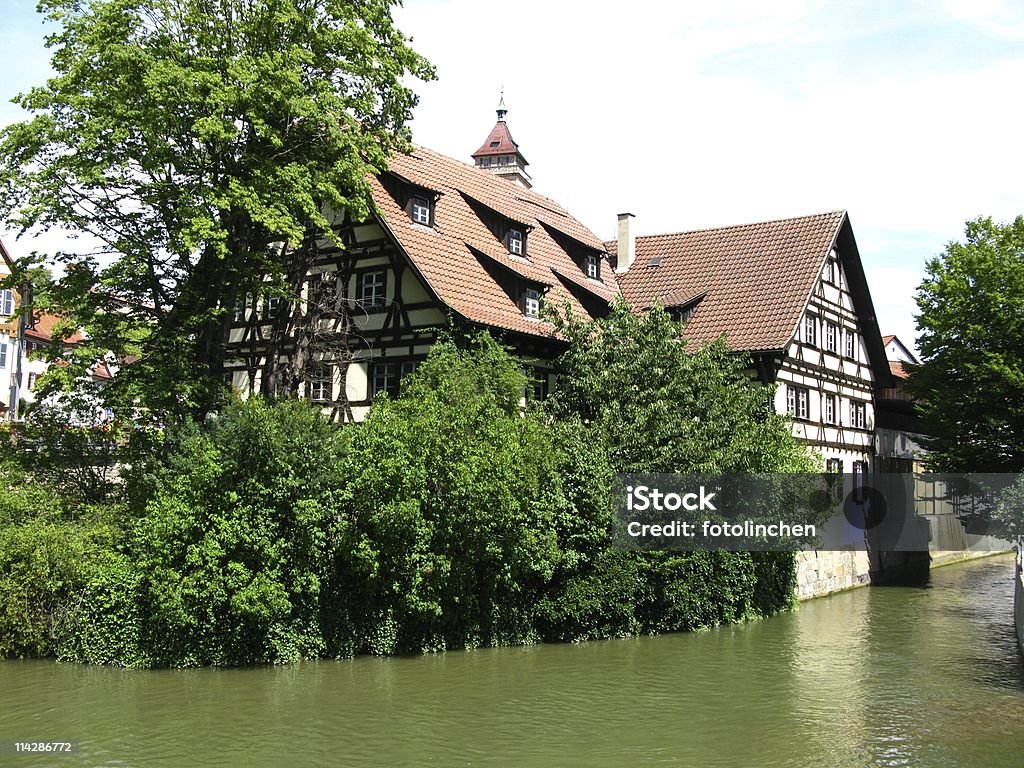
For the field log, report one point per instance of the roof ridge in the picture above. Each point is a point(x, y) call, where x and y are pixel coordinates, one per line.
point(483, 173)
point(740, 226)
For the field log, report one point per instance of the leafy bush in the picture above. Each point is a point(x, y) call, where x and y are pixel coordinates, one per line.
point(455, 516)
point(233, 542)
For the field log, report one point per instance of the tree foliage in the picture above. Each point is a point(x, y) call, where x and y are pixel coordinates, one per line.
point(456, 500)
point(660, 406)
point(970, 385)
point(452, 518)
point(204, 144)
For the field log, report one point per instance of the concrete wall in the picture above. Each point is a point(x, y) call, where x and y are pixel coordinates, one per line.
point(948, 542)
point(844, 563)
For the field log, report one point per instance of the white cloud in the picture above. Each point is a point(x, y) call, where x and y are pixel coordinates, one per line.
point(995, 17)
point(701, 114)
point(693, 115)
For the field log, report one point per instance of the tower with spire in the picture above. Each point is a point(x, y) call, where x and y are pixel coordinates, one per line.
point(500, 155)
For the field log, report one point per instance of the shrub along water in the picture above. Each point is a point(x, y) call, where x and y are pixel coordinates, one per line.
point(451, 518)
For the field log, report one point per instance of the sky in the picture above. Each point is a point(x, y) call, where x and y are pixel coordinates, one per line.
point(689, 115)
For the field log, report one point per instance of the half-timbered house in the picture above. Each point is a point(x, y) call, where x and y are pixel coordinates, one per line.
point(446, 240)
point(793, 296)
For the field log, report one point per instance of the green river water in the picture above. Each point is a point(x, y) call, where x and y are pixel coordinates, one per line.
point(926, 676)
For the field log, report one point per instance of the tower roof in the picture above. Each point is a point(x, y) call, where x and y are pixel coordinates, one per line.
point(499, 142)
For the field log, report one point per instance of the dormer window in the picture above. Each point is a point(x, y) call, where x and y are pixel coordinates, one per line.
point(531, 303)
point(420, 210)
point(516, 243)
point(592, 266)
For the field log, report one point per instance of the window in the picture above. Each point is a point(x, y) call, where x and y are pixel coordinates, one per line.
point(240, 307)
point(860, 471)
point(832, 271)
point(540, 384)
point(592, 266)
point(420, 210)
point(3, 355)
point(273, 307)
point(387, 377)
point(531, 303)
point(851, 344)
point(383, 378)
point(834, 470)
point(798, 402)
point(811, 330)
point(830, 409)
point(32, 377)
point(831, 332)
point(409, 367)
point(323, 291)
point(6, 302)
point(858, 414)
point(515, 242)
point(371, 288)
point(321, 383)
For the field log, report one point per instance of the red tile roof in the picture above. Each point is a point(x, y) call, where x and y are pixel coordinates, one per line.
point(887, 339)
point(757, 277)
point(43, 330)
point(453, 256)
point(896, 369)
point(499, 142)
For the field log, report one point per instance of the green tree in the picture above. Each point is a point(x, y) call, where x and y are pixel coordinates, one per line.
point(661, 406)
point(656, 405)
point(457, 501)
point(204, 144)
point(970, 385)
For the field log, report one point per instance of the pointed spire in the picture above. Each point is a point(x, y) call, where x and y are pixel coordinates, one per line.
point(502, 111)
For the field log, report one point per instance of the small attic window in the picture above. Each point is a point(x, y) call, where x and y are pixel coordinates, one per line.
point(420, 210)
point(496, 143)
point(654, 262)
point(592, 266)
point(516, 242)
point(531, 303)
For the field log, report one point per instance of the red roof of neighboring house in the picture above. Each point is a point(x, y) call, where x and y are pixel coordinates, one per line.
point(896, 369)
point(43, 330)
point(499, 142)
point(887, 339)
point(102, 371)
